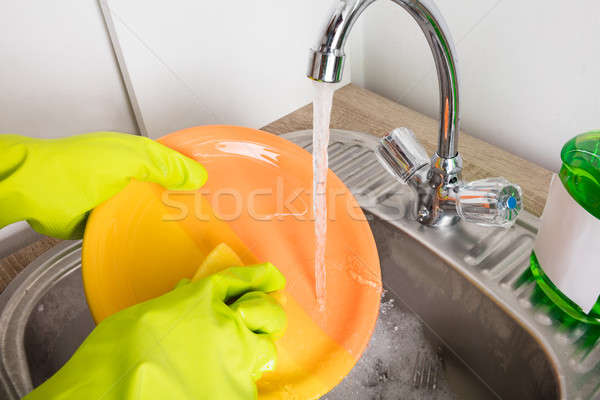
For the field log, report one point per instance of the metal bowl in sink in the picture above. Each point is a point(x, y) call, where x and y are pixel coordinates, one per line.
point(461, 316)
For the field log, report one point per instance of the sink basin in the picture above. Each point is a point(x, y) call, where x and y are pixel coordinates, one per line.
point(461, 316)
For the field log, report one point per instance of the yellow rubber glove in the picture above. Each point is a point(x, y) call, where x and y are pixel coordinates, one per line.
point(54, 183)
point(210, 339)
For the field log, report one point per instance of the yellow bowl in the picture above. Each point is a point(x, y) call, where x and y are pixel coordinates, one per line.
point(257, 200)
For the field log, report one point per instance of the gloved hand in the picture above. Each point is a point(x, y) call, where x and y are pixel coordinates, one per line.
point(54, 183)
point(209, 339)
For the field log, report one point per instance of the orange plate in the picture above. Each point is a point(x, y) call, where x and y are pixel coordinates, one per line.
point(257, 199)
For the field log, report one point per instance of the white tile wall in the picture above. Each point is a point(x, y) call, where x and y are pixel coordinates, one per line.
point(530, 69)
point(58, 75)
point(225, 62)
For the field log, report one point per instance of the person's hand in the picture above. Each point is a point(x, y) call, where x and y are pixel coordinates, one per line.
point(209, 339)
point(54, 183)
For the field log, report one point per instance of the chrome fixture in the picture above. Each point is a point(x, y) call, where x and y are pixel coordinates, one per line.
point(442, 196)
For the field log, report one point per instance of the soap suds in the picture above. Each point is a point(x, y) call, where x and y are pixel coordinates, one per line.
point(386, 369)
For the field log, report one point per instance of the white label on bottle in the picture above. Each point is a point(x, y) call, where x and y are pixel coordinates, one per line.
point(566, 247)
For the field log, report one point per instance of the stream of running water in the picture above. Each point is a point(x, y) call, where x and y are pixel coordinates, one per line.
point(323, 96)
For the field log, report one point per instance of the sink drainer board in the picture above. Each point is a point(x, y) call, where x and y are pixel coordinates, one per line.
point(468, 284)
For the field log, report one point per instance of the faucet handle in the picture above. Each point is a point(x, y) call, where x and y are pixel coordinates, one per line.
point(491, 201)
point(402, 155)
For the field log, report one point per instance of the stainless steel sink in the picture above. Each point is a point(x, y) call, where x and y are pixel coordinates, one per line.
point(461, 296)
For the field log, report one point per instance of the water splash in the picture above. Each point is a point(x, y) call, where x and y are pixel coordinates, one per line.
point(323, 96)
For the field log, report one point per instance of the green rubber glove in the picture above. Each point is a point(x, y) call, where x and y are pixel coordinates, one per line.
point(54, 183)
point(209, 339)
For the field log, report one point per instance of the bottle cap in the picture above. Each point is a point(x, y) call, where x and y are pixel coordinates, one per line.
point(580, 172)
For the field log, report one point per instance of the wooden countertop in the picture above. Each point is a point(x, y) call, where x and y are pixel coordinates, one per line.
point(360, 110)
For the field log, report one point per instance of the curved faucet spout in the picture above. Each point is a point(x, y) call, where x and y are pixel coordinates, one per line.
point(327, 58)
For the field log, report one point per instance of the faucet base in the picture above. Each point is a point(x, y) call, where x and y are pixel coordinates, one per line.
point(442, 197)
point(437, 195)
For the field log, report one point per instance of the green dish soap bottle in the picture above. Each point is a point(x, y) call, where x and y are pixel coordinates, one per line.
point(564, 261)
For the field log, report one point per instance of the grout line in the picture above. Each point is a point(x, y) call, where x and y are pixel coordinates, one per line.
point(483, 17)
point(125, 78)
point(111, 12)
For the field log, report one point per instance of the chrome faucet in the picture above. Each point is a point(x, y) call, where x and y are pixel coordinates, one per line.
point(442, 197)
